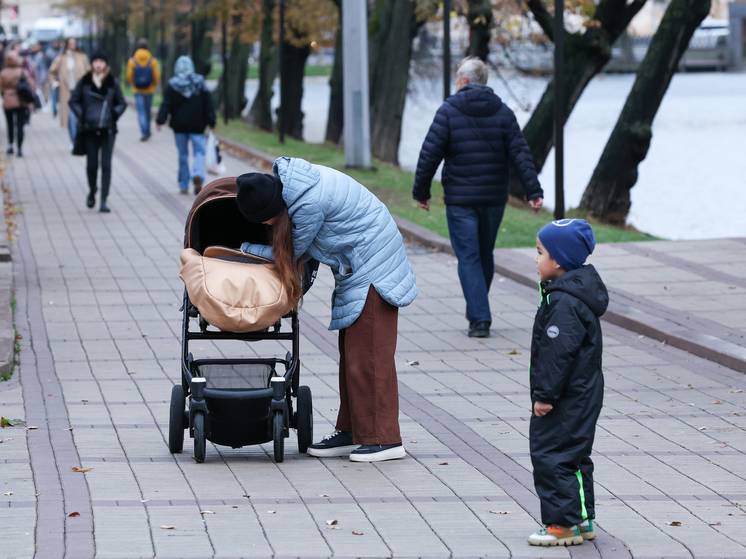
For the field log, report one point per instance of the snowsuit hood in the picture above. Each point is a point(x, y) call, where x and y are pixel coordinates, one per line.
point(585, 284)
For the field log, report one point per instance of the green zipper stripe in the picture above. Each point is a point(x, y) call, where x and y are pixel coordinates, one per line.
point(582, 495)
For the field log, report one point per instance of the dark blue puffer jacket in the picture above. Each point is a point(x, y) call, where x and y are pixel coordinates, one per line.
point(478, 136)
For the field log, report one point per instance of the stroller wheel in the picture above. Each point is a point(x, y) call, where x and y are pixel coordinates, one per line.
point(176, 420)
point(278, 424)
point(199, 437)
point(304, 419)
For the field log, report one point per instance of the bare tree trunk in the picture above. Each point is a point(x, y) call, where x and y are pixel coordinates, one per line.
point(335, 120)
point(391, 28)
point(479, 16)
point(585, 56)
point(202, 42)
point(233, 76)
point(607, 195)
point(260, 113)
point(294, 69)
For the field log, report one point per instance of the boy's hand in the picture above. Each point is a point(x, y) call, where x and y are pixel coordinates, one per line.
point(541, 409)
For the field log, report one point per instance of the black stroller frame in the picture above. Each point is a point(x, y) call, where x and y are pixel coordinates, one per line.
point(238, 401)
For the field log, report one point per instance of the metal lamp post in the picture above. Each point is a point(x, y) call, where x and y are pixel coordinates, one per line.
point(559, 109)
point(446, 49)
point(281, 112)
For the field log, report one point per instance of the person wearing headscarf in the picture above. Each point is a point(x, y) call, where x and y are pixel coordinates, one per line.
point(187, 105)
point(14, 106)
point(97, 102)
point(65, 72)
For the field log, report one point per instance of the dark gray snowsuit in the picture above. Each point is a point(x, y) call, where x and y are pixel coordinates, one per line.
point(565, 371)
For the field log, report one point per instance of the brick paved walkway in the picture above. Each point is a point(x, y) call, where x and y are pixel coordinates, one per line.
point(98, 298)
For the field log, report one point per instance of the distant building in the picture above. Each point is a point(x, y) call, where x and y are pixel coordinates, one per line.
point(18, 17)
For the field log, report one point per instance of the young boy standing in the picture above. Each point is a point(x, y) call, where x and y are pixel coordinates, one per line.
point(566, 381)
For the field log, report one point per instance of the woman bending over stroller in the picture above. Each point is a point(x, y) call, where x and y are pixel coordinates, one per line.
point(317, 212)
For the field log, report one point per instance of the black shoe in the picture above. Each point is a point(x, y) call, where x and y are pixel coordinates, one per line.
point(145, 138)
point(377, 452)
point(10, 150)
point(104, 209)
point(19, 154)
point(338, 443)
point(197, 180)
point(479, 330)
point(91, 200)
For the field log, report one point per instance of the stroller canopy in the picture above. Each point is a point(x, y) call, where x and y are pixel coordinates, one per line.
point(215, 219)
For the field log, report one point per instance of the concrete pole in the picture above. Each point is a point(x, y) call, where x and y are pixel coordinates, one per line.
point(446, 49)
point(356, 98)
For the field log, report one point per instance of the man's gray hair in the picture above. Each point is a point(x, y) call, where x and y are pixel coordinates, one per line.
point(474, 70)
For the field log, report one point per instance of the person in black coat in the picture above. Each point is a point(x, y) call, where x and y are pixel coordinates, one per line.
point(567, 383)
point(97, 102)
point(479, 137)
point(188, 103)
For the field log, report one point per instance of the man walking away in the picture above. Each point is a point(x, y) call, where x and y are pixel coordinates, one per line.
point(479, 137)
point(53, 51)
point(143, 75)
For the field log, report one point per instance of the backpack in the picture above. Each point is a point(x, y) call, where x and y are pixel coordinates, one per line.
point(25, 93)
point(143, 75)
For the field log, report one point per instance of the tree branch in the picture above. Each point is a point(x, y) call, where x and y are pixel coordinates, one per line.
point(543, 17)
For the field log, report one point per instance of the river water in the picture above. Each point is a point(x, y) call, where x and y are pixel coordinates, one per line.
point(691, 185)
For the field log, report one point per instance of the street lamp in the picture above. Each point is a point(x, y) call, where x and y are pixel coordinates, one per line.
point(446, 49)
point(281, 112)
point(559, 109)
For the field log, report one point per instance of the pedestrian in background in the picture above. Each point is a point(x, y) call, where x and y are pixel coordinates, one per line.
point(187, 105)
point(143, 75)
point(38, 59)
point(14, 106)
point(567, 382)
point(479, 137)
point(53, 51)
point(97, 102)
point(66, 71)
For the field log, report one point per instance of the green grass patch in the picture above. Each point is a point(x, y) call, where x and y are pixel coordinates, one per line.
point(311, 70)
point(393, 186)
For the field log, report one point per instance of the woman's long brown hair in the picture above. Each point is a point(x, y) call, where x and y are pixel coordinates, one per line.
point(289, 267)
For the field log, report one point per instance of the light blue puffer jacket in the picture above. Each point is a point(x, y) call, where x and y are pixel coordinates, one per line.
point(342, 224)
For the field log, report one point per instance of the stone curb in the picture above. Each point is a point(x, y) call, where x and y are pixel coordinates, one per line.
point(7, 331)
point(521, 268)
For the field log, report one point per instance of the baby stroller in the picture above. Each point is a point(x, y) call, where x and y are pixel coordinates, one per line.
point(236, 402)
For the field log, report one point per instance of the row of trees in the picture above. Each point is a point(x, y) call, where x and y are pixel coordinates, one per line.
point(197, 27)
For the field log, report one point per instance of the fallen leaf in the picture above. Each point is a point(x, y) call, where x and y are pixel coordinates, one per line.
point(413, 362)
point(714, 523)
point(195, 458)
point(207, 512)
point(323, 495)
point(736, 391)
point(31, 427)
point(167, 527)
point(666, 288)
point(76, 469)
point(11, 422)
point(11, 438)
point(716, 402)
point(674, 523)
point(703, 428)
point(68, 429)
point(51, 396)
point(413, 442)
point(514, 352)
point(84, 400)
point(357, 533)
point(501, 512)
point(332, 522)
point(74, 514)
point(333, 528)
point(9, 493)
point(144, 500)
point(443, 464)
point(237, 506)
point(271, 512)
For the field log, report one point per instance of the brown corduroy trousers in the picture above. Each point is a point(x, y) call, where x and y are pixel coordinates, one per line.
point(368, 388)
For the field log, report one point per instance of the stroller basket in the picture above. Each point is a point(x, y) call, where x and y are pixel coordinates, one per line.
point(242, 376)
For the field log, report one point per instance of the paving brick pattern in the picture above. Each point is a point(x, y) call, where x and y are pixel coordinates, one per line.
point(98, 298)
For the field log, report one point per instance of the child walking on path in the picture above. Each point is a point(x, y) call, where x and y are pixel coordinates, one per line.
point(567, 384)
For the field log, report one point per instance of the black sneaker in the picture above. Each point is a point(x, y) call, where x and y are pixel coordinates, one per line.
point(104, 209)
point(338, 443)
point(91, 200)
point(377, 452)
point(10, 150)
point(197, 180)
point(479, 330)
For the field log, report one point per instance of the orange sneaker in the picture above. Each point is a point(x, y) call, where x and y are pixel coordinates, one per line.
point(556, 535)
point(586, 530)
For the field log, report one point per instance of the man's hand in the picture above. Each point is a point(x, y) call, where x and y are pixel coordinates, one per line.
point(158, 127)
point(536, 204)
point(424, 205)
point(541, 409)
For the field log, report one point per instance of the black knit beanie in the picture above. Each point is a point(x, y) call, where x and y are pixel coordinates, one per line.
point(259, 196)
point(100, 55)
